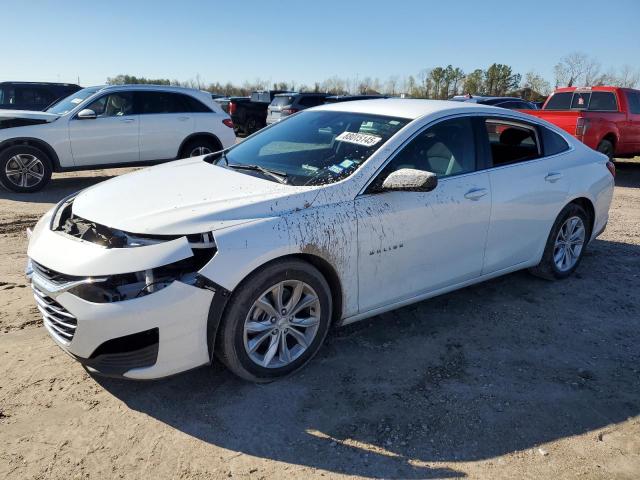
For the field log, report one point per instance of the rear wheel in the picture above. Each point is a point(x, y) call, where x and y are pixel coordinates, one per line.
point(198, 147)
point(24, 169)
point(566, 244)
point(275, 322)
point(606, 147)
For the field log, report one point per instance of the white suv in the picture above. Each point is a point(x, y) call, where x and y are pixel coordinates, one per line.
point(109, 126)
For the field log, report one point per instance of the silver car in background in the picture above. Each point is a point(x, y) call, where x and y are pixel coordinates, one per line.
point(285, 104)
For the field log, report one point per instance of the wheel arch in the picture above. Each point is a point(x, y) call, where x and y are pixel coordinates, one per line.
point(199, 135)
point(37, 143)
point(221, 297)
point(587, 206)
point(611, 137)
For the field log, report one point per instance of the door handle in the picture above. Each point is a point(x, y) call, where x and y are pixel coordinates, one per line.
point(128, 120)
point(553, 177)
point(183, 119)
point(476, 193)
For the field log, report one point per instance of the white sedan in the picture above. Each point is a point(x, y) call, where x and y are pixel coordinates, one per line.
point(333, 215)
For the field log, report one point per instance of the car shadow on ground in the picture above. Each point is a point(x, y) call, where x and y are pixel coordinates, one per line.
point(492, 369)
point(627, 173)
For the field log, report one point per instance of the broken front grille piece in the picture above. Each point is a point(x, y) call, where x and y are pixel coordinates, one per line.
point(57, 319)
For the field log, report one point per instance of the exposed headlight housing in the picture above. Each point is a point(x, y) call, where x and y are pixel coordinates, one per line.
point(127, 286)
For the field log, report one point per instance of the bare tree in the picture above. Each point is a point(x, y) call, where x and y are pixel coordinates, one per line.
point(577, 68)
point(627, 78)
point(391, 85)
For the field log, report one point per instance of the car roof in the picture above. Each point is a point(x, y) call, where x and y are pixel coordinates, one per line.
point(407, 108)
point(202, 94)
point(289, 94)
point(482, 98)
point(49, 84)
point(597, 88)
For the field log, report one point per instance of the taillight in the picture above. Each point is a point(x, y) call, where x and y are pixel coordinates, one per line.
point(228, 122)
point(288, 111)
point(232, 108)
point(612, 168)
point(582, 124)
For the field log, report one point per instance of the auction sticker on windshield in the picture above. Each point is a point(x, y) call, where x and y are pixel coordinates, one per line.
point(358, 138)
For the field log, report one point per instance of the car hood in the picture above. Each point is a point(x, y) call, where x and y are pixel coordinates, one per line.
point(187, 196)
point(28, 115)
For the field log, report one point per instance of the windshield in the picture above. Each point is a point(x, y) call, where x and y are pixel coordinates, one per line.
point(316, 147)
point(69, 103)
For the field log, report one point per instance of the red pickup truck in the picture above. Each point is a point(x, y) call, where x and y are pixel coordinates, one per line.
point(606, 119)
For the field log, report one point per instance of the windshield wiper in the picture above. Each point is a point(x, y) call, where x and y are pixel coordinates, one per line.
point(280, 177)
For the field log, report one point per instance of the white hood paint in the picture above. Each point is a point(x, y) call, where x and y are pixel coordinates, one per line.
point(28, 114)
point(187, 196)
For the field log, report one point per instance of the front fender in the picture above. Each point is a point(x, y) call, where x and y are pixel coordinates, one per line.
point(328, 232)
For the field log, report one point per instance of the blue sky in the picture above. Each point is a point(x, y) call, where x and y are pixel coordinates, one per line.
point(305, 41)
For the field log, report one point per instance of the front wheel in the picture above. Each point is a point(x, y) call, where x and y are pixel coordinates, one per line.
point(275, 322)
point(566, 244)
point(24, 169)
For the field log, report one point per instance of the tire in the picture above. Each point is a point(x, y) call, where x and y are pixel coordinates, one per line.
point(234, 340)
point(24, 169)
point(197, 147)
point(606, 147)
point(250, 126)
point(548, 267)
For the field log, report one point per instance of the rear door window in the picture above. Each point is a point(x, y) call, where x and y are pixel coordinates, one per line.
point(603, 102)
point(511, 142)
point(193, 105)
point(552, 142)
point(167, 102)
point(633, 98)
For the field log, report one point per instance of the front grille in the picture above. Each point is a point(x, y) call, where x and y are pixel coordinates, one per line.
point(57, 319)
point(52, 275)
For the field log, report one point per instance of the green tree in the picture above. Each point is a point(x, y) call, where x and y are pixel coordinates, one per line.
point(474, 82)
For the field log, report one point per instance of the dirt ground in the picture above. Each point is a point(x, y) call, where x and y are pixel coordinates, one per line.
point(513, 378)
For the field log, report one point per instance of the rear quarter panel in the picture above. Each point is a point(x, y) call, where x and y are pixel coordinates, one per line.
point(212, 123)
point(590, 178)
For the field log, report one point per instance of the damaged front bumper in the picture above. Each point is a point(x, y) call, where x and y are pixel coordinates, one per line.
point(132, 312)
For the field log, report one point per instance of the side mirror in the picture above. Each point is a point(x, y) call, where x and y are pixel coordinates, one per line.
point(87, 114)
point(410, 180)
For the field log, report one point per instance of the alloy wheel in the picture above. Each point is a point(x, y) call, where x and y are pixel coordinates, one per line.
point(24, 170)
point(198, 151)
point(569, 243)
point(281, 324)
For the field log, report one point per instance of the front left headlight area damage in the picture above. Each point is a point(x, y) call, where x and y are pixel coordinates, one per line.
point(121, 303)
point(126, 286)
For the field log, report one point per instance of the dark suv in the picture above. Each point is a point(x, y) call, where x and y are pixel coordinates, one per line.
point(285, 104)
point(33, 95)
